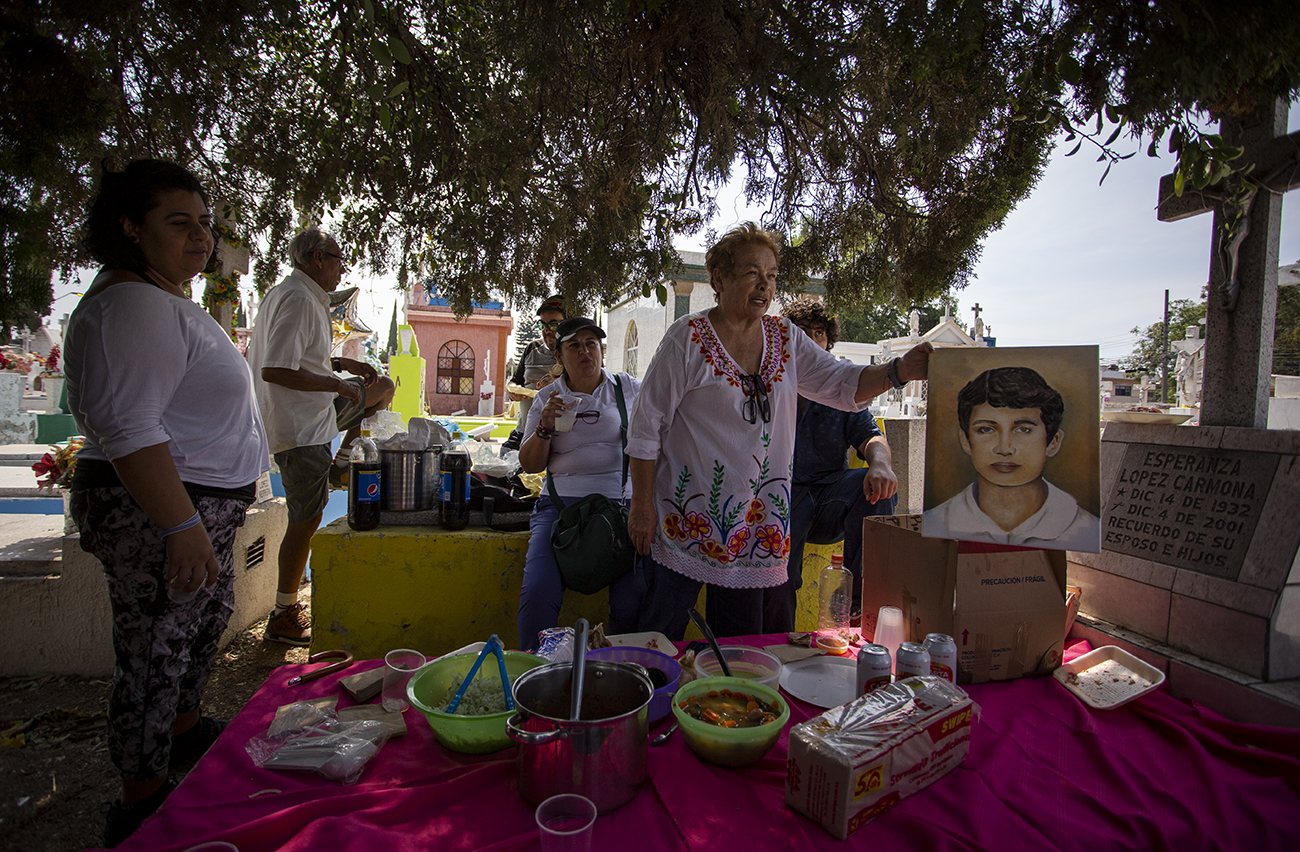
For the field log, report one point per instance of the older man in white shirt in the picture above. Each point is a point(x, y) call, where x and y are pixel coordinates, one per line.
point(305, 405)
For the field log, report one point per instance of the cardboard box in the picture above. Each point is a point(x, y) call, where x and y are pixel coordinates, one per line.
point(854, 762)
point(1004, 606)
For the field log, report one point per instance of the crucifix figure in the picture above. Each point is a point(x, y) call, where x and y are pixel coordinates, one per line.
point(1242, 304)
point(977, 330)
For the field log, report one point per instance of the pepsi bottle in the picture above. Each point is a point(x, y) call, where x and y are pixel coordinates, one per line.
point(455, 487)
point(364, 485)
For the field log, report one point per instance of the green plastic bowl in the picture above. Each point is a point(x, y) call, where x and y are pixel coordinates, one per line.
point(427, 689)
point(733, 747)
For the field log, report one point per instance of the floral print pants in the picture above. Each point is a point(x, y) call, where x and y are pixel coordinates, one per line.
point(163, 649)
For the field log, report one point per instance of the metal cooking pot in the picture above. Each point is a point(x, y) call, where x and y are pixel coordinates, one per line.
point(410, 479)
point(601, 756)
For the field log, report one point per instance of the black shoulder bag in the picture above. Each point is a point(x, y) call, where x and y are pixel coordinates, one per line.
point(590, 539)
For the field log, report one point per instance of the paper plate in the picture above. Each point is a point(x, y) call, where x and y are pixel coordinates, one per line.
point(1108, 677)
point(653, 641)
point(1150, 418)
point(821, 681)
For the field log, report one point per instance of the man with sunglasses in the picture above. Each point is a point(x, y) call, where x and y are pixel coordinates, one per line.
point(534, 370)
point(304, 405)
point(828, 500)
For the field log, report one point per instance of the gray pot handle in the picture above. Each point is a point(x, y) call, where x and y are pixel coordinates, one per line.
point(519, 735)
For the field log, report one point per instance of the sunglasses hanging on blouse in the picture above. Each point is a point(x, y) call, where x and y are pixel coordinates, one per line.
point(756, 404)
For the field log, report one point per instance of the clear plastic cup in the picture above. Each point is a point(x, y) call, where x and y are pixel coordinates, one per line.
point(566, 822)
point(565, 420)
point(399, 665)
point(890, 629)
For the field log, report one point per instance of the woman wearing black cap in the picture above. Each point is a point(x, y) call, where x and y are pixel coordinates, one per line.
point(586, 460)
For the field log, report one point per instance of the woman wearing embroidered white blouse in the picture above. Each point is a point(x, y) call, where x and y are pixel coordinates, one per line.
point(712, 441)
point(586, 460)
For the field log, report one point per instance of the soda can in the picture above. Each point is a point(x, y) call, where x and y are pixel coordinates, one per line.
point(943, 656)
point(913, 660)
point(874, 668)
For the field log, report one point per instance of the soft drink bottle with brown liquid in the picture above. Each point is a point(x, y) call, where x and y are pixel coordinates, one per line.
point(455, 487)
point(364, 485)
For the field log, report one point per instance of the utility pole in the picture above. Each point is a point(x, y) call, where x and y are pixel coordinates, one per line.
point(1164, 355)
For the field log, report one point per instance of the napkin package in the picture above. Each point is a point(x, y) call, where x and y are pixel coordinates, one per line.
point(856, 761)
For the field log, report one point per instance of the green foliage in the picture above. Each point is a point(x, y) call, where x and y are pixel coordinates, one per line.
point(1146, 358)
point(391, 349)
point(871, 322)
point(1286, 333)
point(527, 329)
point(512, 148)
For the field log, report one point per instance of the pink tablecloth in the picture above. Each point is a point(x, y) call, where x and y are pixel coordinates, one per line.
point(1044, 772)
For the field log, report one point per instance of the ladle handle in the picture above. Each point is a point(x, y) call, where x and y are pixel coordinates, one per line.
point(579, 668)
point(713, 643)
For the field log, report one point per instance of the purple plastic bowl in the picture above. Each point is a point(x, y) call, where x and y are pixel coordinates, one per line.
point(661, 703)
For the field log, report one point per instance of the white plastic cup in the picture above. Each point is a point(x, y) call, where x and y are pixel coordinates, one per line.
point(565, 420)
point(399, 665)
point(889, 629)
point(566, 822)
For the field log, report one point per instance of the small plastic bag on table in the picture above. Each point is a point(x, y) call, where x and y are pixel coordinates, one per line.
point(306, 738)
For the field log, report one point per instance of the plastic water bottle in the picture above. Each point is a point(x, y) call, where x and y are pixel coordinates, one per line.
point(455, 487)
point(364, 484)
point(835, 592)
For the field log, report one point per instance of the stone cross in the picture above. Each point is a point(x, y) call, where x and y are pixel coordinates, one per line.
point(1144, 389)
point(1242, 305)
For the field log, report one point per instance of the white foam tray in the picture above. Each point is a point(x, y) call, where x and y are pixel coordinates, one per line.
point(1108, 677)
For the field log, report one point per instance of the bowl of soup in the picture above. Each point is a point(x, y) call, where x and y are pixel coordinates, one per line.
point(730, 721)
point(744, 662)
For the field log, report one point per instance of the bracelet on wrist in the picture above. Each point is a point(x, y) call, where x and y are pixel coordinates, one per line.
point(892, 373)
point(544, 433)
point(193, 521)
point(336, 364)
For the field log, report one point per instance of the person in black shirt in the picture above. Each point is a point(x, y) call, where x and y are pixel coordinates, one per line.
point(829, 500)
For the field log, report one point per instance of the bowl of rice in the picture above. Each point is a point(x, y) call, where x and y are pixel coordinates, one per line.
point(479, 724)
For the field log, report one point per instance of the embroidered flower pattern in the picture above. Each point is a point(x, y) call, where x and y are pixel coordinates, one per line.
point(776, 351)
point(673, 527)
point(771, 539)
point(714, 551)
point(697, 526)
point(740, 517)
point(736, 544)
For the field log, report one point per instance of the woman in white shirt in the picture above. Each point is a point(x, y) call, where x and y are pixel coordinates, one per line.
point(174, 447)
point(586, 460)
point(712, 441)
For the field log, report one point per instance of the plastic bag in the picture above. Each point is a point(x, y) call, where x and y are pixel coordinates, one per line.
point(555, 644)
point(384, 425)
point(306, 738)
point(484, 459)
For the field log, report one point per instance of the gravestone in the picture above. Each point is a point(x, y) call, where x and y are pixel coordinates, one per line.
point(1201, 543)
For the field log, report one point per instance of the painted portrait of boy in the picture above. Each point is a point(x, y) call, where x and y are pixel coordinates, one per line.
point(1009, 423)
